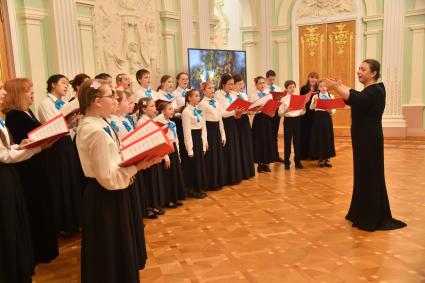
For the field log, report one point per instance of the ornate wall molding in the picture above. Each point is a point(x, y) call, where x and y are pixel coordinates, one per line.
point(372, 18)
point(126, 36)
point(169, 15)
point(417, 12)
point(324, 8)
point(222, 28)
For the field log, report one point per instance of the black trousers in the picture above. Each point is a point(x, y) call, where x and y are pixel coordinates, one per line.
point(275, 128)
point(292, 133)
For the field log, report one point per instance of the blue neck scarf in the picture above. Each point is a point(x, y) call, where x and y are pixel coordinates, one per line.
point(169, 96)
point(184, 93)
point(272, 88)
point(261, 94)
point(212, 102)
point(59, 103)
point(108, 130)
point(229, 98)
point(198, 114)
point(115, 127)
point(127, 126)
point(130, 119)
point(148, 93)
point(172, 128)
point(2, 122)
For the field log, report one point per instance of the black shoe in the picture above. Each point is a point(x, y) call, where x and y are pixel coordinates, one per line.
point(279, 159)
point(267, 168)
point(151, 215)
point(197, 195)
point(204, 194)
point(287, 166)
point(171, 205)
point(299, 166)
point(179, 203)
point(327, 164)
point(158, 211)
point(260, 168)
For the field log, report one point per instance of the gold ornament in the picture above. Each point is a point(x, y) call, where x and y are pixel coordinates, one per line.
point(341, 37)
point(311, 39)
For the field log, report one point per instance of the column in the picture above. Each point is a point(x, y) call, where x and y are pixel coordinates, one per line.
point(85, 25)
point(250, 47)
point(266, 35)
point(282, 45)
point(65, 37)
point(371, 43)
point(186, 29)
point(392, 67)
point(416, 82)
point(32, 21)
point(169, 55)
point(204, 23)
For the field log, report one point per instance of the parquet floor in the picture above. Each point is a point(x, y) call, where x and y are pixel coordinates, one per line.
point(284, 226)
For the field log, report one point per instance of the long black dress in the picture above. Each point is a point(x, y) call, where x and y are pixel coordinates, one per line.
point(370, 208)
point(37, 191)
point(246, 146)
point(16, 255)
point(306, 126)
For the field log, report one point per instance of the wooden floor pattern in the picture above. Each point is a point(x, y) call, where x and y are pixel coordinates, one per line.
point(284, 226)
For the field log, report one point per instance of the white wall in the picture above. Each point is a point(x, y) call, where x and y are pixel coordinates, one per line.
point(232, 11)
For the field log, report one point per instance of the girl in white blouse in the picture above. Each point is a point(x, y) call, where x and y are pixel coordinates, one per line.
point(165, 90)
point(119, 122)
point(216, 137)
point(173, 174)
point(108, 237)
point(196, 145)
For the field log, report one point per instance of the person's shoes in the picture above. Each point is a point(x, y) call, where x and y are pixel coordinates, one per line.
point(151, 215)
point(204, 194)
point(328, 164)
point(179, 203)
point(197, 195)
point(392, 224)
point(287, 166)
point(158, 211)
point(171, 205)
point(260, 168)
point(321, 164)
point(267, 168)
point(279, 159)
point(299, 165)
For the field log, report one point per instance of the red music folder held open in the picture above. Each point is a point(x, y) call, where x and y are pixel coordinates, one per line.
point(297, 102)
point(328, 104)
point(278, 95)
point(153, 145)
point(141, 131)
point(270, 107)
point(239, 104)
point(49, 131)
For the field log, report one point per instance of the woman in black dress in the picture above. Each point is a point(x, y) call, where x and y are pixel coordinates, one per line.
point(33, 172)
point(370, 208)
point(307, 118)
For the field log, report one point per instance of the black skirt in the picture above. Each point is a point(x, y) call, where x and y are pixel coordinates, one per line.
point(262, 136)
point(38, 197)
point(154, 181)
point(231, 152)
point(108, 244)
point(173, 179)
point(16, 256)
point(194, 168)
point(143, 193)
point(322, 136)
point(214, 156)
point(179, 130)
point(65, 178)
point(246, 147)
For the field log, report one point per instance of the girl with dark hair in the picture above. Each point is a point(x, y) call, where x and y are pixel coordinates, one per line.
point(196, 145)
point(63, 162)
point(182, 84)
point(165, 89)
point(77, 82)
point(370, 208)
point(245, 133)
point(307, 118)
point(231, 151)
point(262, 130)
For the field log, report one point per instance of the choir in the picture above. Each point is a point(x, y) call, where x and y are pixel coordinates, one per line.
point(75, 183)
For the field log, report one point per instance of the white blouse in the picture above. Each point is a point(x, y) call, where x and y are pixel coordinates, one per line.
point(240, 95)
point(10, 153)
point(314, 101)
point(190, 122)
point(212, 114)
point(95, 139)
point(276, 88)
point(224, 102)
point(47, 109)
point(121, 123)
point(256, 95)
point(141, 92)
point(180, 99)
point(171, 132)
point(285, 104)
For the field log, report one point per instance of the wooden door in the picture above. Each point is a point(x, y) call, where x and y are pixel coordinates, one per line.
point(329, 49)
point(4, 40)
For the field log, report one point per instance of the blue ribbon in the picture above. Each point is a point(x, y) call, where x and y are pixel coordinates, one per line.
point(184, 93)
point(115, 126)
point(172, 128)
point(198, 114)
point(108, 130)
point(59, 103)
point(212, 102)
point(229, 98)
point(261, 94)
point(324, 96)
point(272, 88)
point(130, 119)
point(240, 95)
point(169, 96)
point(148, 93)
point(127, 126)
point(2, 123)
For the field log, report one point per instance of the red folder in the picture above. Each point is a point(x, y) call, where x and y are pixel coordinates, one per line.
point(49, 131)
point(241, 104)
point(155, 144)
point(270, 107)
point(297, 102)
point(308, 96)
point(141, 131)
point(278, 95)
point(328, 104)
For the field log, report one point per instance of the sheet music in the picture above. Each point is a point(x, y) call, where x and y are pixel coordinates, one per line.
point(260, 102)
point(52, 128)
point(70, 107)
point(139, 133)
point(143, 145)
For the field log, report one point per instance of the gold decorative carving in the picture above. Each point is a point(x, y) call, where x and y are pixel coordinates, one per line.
point(311, 39)
point(341, 37)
